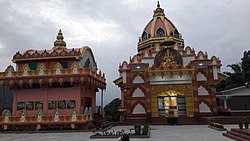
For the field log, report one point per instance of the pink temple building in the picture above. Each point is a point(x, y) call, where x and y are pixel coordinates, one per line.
point(59, 85)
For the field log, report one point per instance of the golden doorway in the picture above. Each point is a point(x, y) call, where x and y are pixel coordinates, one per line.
point(171, 104)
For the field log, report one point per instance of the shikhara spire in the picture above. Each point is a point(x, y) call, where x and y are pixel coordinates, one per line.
point(59, 43)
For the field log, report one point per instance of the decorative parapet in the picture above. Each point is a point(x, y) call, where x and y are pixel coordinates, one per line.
point(170, 72)
point(47, 54)
point(45, 119)
point(10, 77)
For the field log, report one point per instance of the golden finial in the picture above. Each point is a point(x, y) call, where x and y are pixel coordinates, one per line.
point(158, 11)
point(59, 43)
point(158, 4)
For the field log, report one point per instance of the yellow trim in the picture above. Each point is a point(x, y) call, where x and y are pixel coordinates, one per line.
point(222, 76)
point(153, 27)
point(166, 26)
point(44, 58)
point(27, 66)
point(118, 81)
point(170, 93)
point(10, 67)
point(41, 65)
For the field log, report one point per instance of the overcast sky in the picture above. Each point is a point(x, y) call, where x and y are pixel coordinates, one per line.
point(112, 27)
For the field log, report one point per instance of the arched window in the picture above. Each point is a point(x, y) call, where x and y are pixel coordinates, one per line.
point(175, 33)
point(87, 63)
point(160, 33)
point(144, 35)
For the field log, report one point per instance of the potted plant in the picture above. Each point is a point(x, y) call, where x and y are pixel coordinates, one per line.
point(240, 122)
point(246, 122)
point(145, 130)
point(197, 116)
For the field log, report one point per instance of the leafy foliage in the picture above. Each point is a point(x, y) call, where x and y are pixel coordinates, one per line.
point(111, 110)
point(239, 76)
point(217, 125)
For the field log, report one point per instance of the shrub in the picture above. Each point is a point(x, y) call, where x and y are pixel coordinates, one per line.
point(90, 125)
point(145, 130)
point(217, 125)
point(240, 122)
point(103, 126)
point(197, 116)
point(246, 122)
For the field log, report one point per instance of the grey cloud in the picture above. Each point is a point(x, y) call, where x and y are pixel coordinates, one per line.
point(218, 27)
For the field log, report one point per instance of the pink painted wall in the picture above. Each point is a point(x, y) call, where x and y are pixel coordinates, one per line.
point(90, 93)
point(53, 94)
point(57, 94)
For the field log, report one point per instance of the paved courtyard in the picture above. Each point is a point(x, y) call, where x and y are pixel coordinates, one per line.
point(158, 133)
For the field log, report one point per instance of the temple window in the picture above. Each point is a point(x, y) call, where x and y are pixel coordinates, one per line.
point(88, 102)
point(201, 57)
point(160, 33)
point(87, 63)
point(202, 91)
point(20, 106)
point(175, 33)
point(30, 105)
point(71, 104)
point(138, 93)
point(74, 69)
point(33, 66)
point(41, 71)
point(139, 109)
point(64, 64)
point(214, 61)
point(138, 79)
point(25, 71)
point(144, 35)
point(9, 73)
point(62, 104)
point(39, 105)
point(203, 108)
point(58, 70)
point(201, 77)
point(52, 105)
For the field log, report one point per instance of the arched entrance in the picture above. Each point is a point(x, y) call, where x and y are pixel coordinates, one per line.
point(171, 104)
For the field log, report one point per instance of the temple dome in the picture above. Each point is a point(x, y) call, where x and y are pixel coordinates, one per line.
point(159, 27)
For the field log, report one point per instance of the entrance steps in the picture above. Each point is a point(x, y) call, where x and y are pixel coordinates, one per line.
point(238, 134)
point(134, 120)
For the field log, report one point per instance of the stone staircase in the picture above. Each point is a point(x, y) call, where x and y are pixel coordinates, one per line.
point(134, 120)
point(238, 134)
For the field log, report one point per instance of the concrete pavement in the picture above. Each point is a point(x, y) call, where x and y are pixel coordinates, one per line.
point(158, 133)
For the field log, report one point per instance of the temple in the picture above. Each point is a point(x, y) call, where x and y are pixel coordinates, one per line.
point(166, 79)
point(56, 86)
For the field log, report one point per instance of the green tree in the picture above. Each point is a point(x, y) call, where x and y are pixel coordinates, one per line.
point(239, 76)
point(112, 110)
point(246, 65)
